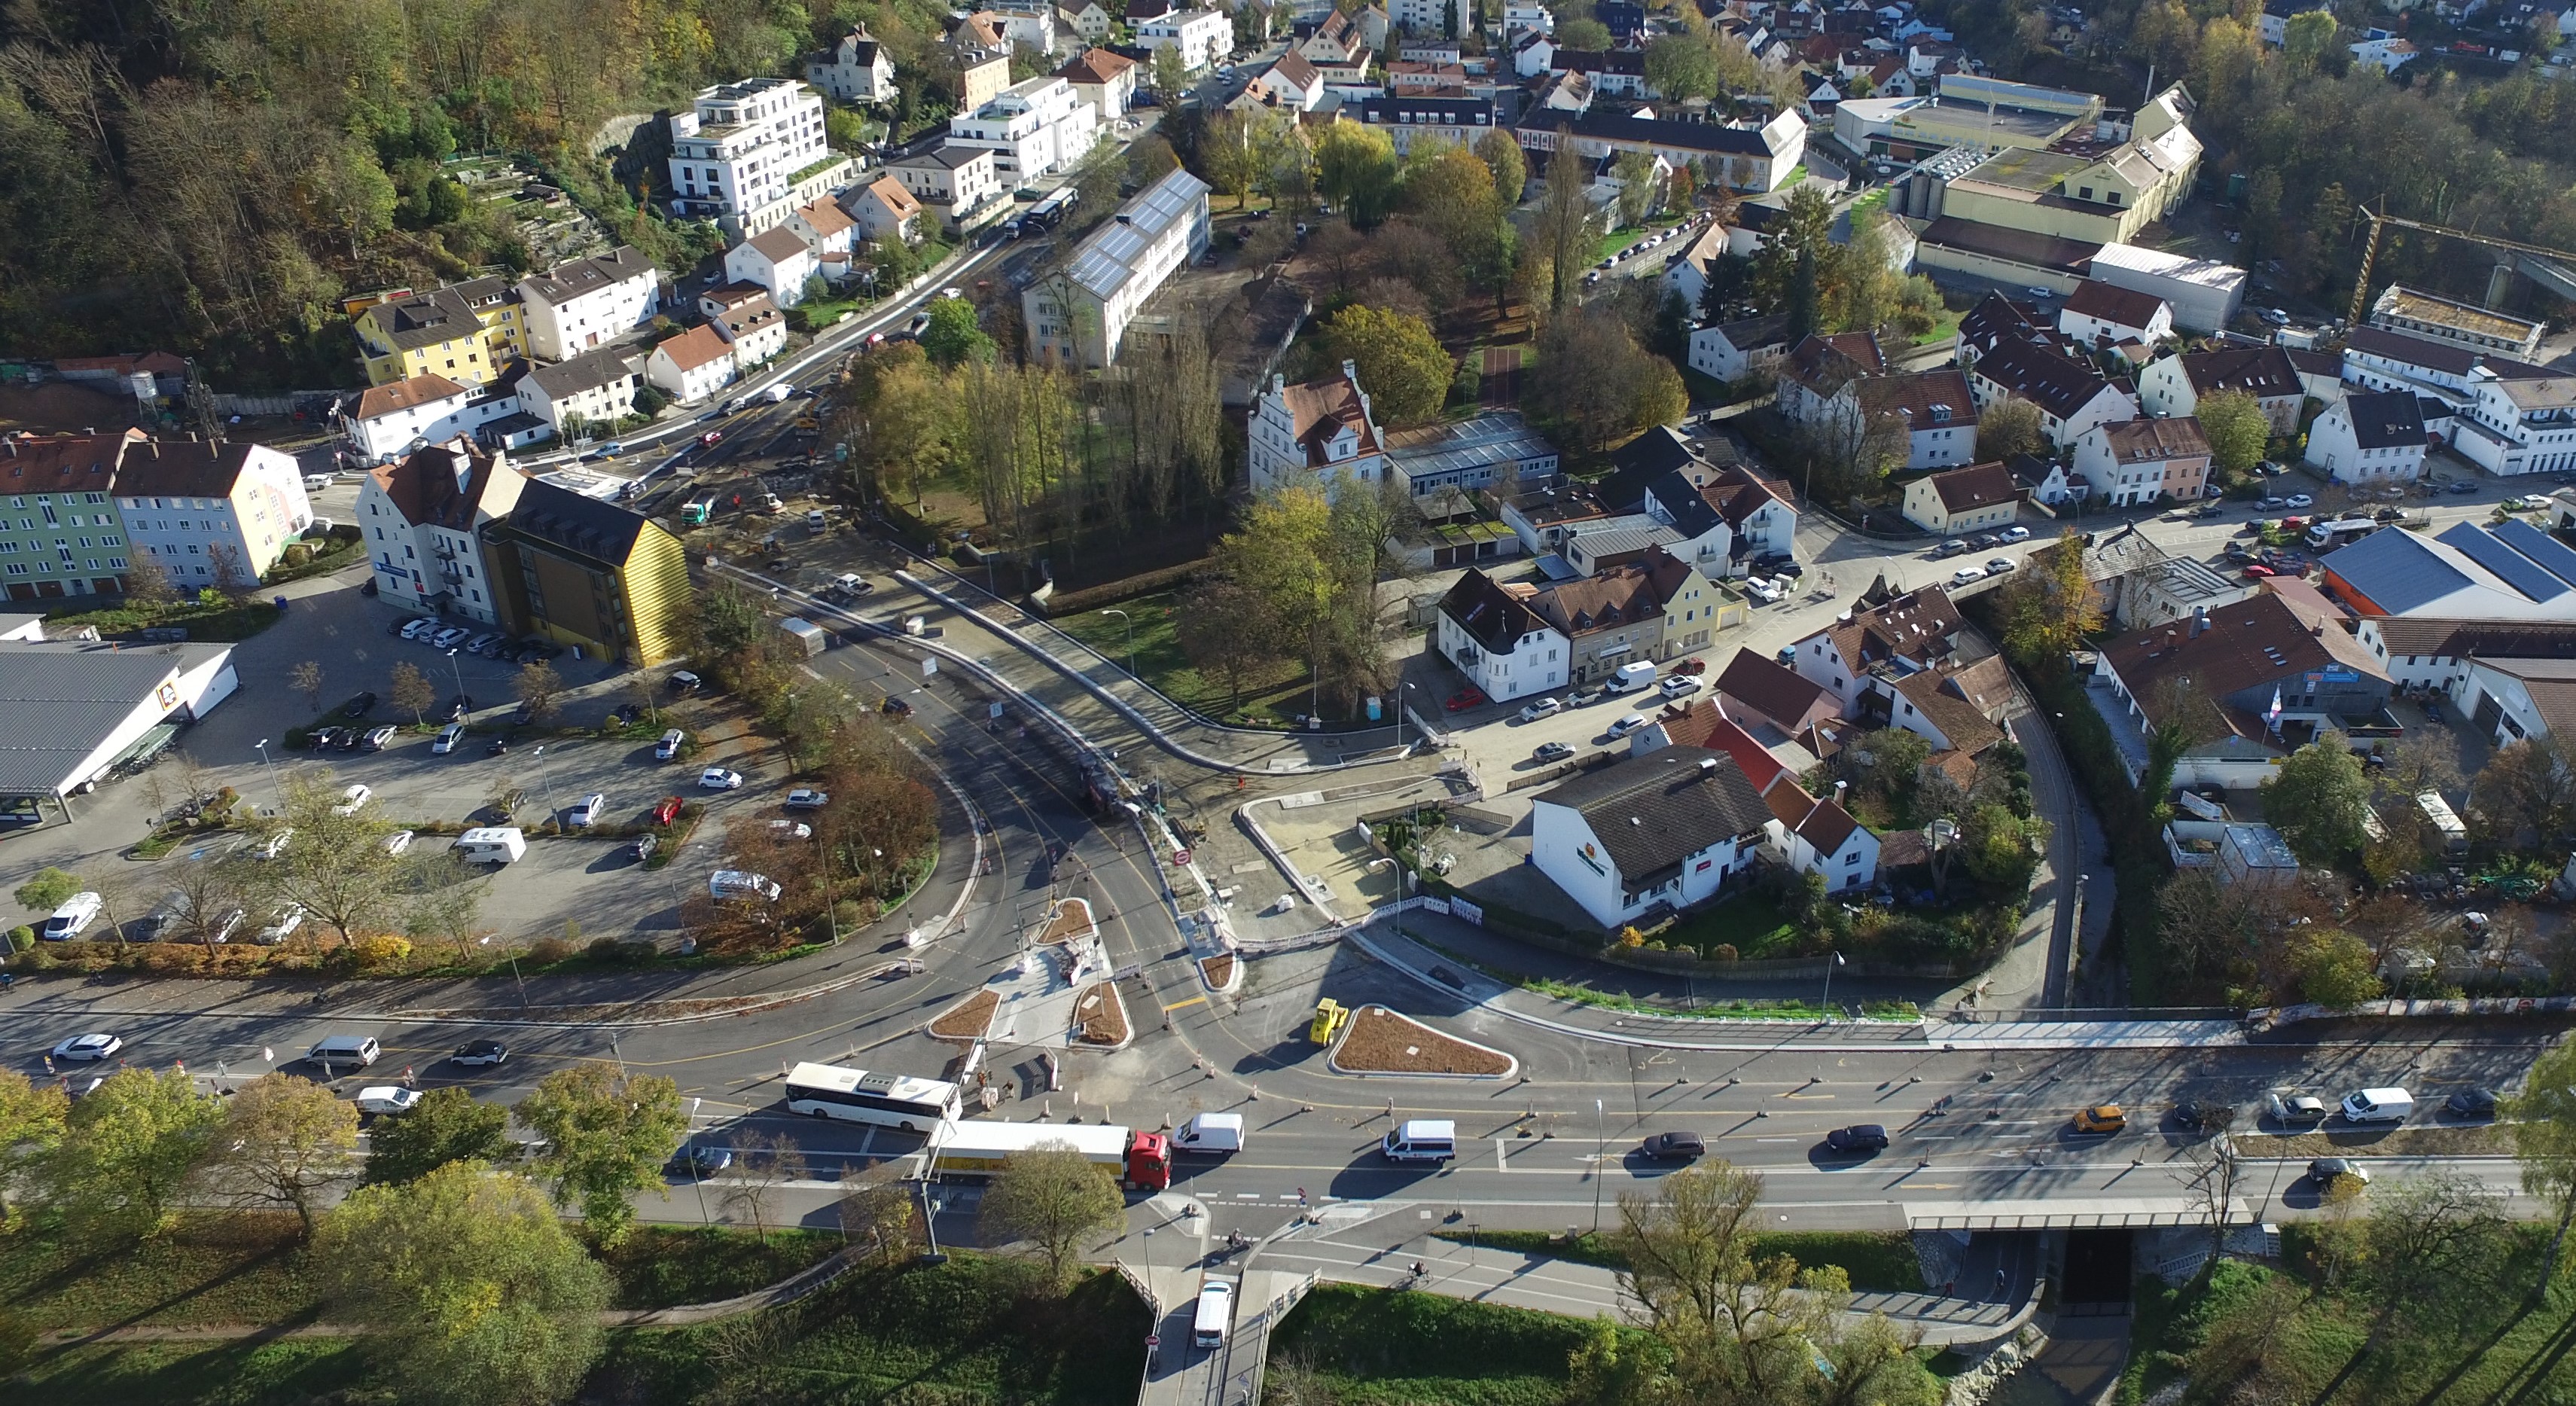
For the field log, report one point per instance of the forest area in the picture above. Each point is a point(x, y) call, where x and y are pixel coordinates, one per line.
point(2315, 136)
point(211, 177)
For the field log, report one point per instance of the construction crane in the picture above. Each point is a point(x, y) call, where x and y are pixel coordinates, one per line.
point(2370, 250)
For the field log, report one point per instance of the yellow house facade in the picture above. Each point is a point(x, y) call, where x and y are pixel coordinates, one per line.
point(590, 575)
point(465, 332)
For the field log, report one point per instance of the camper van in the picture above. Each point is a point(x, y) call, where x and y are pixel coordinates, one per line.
point(492, 844)
point(1421, 1140)
point(2455, 836)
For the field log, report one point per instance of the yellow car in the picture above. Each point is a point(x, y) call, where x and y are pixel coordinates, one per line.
point(2100, 1118)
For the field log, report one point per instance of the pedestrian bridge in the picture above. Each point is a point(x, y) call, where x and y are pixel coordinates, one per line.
point(2070, 1213)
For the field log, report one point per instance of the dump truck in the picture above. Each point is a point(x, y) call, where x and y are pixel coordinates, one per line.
point(975, 1148)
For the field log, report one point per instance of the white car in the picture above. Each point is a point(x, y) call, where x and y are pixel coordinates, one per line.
point(450, 637)
point(589, 809)
point(807, 798)
point(447, 739)
point(274, 845)
point(1543, 708)
point(851, 584)
point(716, 778)
point(1628, 724)
point(386, 1098)
point(397, 842)
point(1999, 566)
point(2015, 534)
point(669, 746)
point(281, 925)
point(1763, 590)
point(2301, 500)
point(1967, 576)
point(416, 628)
point(1679, 686)
point(89, 1047)
point(352, 799)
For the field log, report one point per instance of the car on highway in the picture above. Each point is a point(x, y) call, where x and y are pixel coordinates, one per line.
point(1552, 752)
point(1541, 708)
point(716, 778)
point(2471, 1103)
point(359, 705)
point(670, 745)
point(1465, 699)
point(1675, 1147)
point(2326, 1171)
point(386, 1099)
point(807, 798)
point(89, 1047)
point(919, 324)
point(2014, 534)
point(1631, 723)
point(2100, 1118)
point(2287, 1109)
point(480, 1052)
point(2301, 501)
point(1860, 1137)
point(700, 1161)
point(667, 811)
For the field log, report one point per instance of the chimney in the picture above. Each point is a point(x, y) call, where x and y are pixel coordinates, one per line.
point(1352, 370)
point(2199, 620)
point(1839, 788)
point(1707, 766)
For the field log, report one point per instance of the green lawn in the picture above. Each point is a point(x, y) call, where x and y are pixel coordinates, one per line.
point(657, 1266)
point(1274, 696)
point(1749, 922)
point(224, 621)
point(1877, 1261)
point(1385, 1347)
point(293, 1373)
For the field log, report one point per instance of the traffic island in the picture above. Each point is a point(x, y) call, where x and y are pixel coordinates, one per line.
point(1101, 1017)
point(1069, 921)
point(969, 1019)
point(1380, 1041)
point(1220, 972)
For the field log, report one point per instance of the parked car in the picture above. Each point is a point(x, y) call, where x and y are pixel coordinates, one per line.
point(2000, 566)
point(1949, 548)
point(1552, 752)
point(375, 741)
point(449, 638)
point(1985, 541)
point(716, 778)
point(2255, 571)
point(807, 798)
point(281, 925)
point(1694, 666)
point(359, 705)
point(1465, 699)
point(2295, 1108)
point(1628, 724)
point(1967, 576)
point(2462, 485)
point(587, 811)
point(643, 847)
point(416, 626)
point(2014, 534)
point(1540, 708)
point(2471, 1103)
point(1679, 685)
point(352, 799)
point(447, 738)
point(670, 745)
point(2301, 501)
point(667, 811)
point(397, 842)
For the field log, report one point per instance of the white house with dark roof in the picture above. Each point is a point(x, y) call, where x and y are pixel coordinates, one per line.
point(2106, 315)
point(592, 391)
point(1733, 351)
point(776, 259)
point(575, 306)
point(1490, 633)
point(961, 186)
point(2173, 385)
point(1723, 518)
point(2370, 437)
point(423, 518)
point(2518, 426)
point(1971, 499)
point(856, 70)
point(1080, 314)
point(1323, 428)
point(2072, 397)
point(2134, 462)
point(1666, 829)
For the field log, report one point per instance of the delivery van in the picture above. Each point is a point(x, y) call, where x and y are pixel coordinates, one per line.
point(1631, 676)
point(76, 913)
point(1216, 1311)
point(356, 1051)
point(1220, 1133)
point(1421, 1140)
point(2378, 1106)
point(492, 844)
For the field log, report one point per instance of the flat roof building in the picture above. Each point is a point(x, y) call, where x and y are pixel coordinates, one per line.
point(1080, 315)
point(72, 712)
point(2403, 309)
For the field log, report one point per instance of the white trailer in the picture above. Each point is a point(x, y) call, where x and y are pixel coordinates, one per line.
point(976, 1148)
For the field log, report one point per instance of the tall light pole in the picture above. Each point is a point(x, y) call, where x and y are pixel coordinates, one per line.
point(1834, 959)
point(456, 672)
point(1600, 1158)
point(262, 745)
point(1130, 623)
point(538, 756)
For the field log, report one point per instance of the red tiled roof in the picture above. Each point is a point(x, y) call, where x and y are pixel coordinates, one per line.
point(405, 395)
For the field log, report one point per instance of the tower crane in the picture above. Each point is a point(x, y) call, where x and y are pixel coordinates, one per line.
point(2378, 220)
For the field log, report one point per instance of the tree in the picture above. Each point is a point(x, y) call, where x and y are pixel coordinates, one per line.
point(472, 1291)
point(447, 1125)
point(1055, 1197)
point(2543, 1119)
point(2333, 968)
point(1682, 66)
point(49, 889)
point(2237, 432)
point(413, 693)
point(2009, 428)
point(1601, 386)
point(608, 1135)
point(540, 688)
point(1171, 73)
point(31, 1126)
point(1507, 166)
point(1562, 231)
point(1226, 632)
point(2305, 39)
point(1638, 189)
point(2315, 799)
point(877, 1214)
point(1401, 364)
point(2000, 848)
point(2049, 607)
point(336, 869)
point(2432, 1244)
point(127, 1148)
point(2528, 785)
point(285, 1141)
point(1583, 35)
point(953, 338)
point(1355, 169)
point(2182, 718)
point(146, 584)
point(306, 678)
point(209, 898)
point(763, 1164)
point(1689, 1244)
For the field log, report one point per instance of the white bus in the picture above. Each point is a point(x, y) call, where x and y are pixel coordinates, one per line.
point(895, 1100)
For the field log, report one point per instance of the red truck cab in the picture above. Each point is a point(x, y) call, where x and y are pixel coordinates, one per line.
point(1149, 1161)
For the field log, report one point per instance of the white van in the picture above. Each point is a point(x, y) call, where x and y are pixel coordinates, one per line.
point(1210, 1132)
point(1216, 1312)
point(77, 912)
point(1632, 676)
point(2378, 1106)
point(492, 844)
point(358, 1051)
point(1421, 1140)
point(738, 886)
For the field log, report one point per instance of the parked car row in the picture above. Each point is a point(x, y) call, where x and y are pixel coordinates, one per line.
point(429, 630)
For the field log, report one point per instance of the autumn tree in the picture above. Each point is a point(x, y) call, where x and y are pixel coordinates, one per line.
point(285, 1142)
point(1563, 233)
point(1228, 634)
point(2333, 967)
point(1683, 66)
point(1401, 364)
point(2315, 799)
point(413, 693)
point(2527, 787)
point(2008, 429)
point(447, 1125)
point(335, 868)
point(127, 1148)
point(2237, 432)
point(31, 1126)
point(1055, 1198)
point(1355, 170)
point(306, 678)
point(607, 1135)
point(2049, 608)
point(540, 689)
point(2543, 1119)
point(1506, 164)
point(1601, 385)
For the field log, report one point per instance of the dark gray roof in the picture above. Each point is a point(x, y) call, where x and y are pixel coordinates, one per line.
point(1495, 617)
point(60, 701)
point(559, 517)
point(1677, 495)
point(588, 371)
point(1653, 131)
point(2384, 419)
point(1654, 811)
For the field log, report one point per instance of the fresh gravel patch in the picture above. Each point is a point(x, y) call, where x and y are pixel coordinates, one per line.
point(1380, 1041)
point(969, 1018)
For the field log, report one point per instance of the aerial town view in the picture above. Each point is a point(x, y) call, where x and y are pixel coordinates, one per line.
point(1322, 703)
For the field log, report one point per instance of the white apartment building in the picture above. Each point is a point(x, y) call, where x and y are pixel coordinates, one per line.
point(2370, 437)
point(1033, 127)
point(1504, 647)
point(1323, 428)
point(961, 186)
point(385, 422)
point(1448, 18)
point(423, 519)
point(1202, 36)
point(576, 306)
point(742, 149)
point(2518, 426)
point(589, 393)
point(1081, 315)
point(210, 513)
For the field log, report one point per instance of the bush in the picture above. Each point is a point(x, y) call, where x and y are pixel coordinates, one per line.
point(22, 938)
point(1725, 952)
point(384, 951)
point(296, 554)
point(602, 949)
point(548, 950)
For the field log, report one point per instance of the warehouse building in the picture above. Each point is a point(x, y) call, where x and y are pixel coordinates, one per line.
point(73, 712)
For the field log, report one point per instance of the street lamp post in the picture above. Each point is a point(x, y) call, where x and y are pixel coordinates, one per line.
point(1125, 619)
point(457, 672)
point(1600, 1156)
point(537, 758)
point(271, 763)
point(514, 971)
point(1833, 959)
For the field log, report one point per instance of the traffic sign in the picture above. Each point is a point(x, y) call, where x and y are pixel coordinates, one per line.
point(1180, 857)
point(1153, 1340)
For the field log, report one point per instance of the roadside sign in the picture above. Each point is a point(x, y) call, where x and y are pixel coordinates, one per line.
point(1153, 1340)
point(1180, 857)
